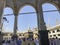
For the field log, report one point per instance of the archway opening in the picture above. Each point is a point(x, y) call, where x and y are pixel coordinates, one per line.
point(27, 19)
point(7, 23)
point(8, 20)
point(51, 18)
point(51, 14)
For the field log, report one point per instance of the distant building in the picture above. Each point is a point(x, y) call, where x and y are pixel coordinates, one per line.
point(53, 32)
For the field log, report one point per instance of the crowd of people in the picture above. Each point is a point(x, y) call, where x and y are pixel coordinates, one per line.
point(23, 41)
point(28, 41)
point(54, 41)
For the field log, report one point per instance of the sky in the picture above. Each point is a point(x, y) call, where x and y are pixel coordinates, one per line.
point(30, 20)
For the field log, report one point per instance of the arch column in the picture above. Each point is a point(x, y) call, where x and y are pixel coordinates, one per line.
point(2, 4)
point(15, 24)
point(42, 31)
point(16, 17)
point(1, 36)
point(1, 20)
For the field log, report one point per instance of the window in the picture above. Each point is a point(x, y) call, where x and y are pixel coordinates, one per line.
point(6, 38)
point(50, 35)
point(53, 31)
point(19, 34)
point(58, 34)
point(58, 30)
point(54, 35)
point(5, 34)
point(11, 34)
point(30, 32)
point(49, 31)
point(23, 34)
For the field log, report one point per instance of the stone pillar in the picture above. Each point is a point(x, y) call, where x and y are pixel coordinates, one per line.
point(1, 36)
point(15, 27)
point(58, 5)
point(16, 17)
point(1, 17)
point(42, 31)
point(15, 24)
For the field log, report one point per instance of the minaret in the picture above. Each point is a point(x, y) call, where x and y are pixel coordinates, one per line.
point(57, 21)
point(29, 29)
point(48, 25)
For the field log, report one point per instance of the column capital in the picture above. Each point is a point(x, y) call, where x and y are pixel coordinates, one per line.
point(15, 7)
point(1, 12)
point(15, 13)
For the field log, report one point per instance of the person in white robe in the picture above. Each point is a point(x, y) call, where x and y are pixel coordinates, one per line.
point(56, 41)
point(13, 42)
point(36, 41)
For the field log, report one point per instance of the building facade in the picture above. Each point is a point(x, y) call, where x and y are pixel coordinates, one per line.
point(53, 32)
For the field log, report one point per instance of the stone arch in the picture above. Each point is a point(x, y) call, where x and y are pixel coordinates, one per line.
point(28, 4)
point(8, 8)
point(53, 3)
